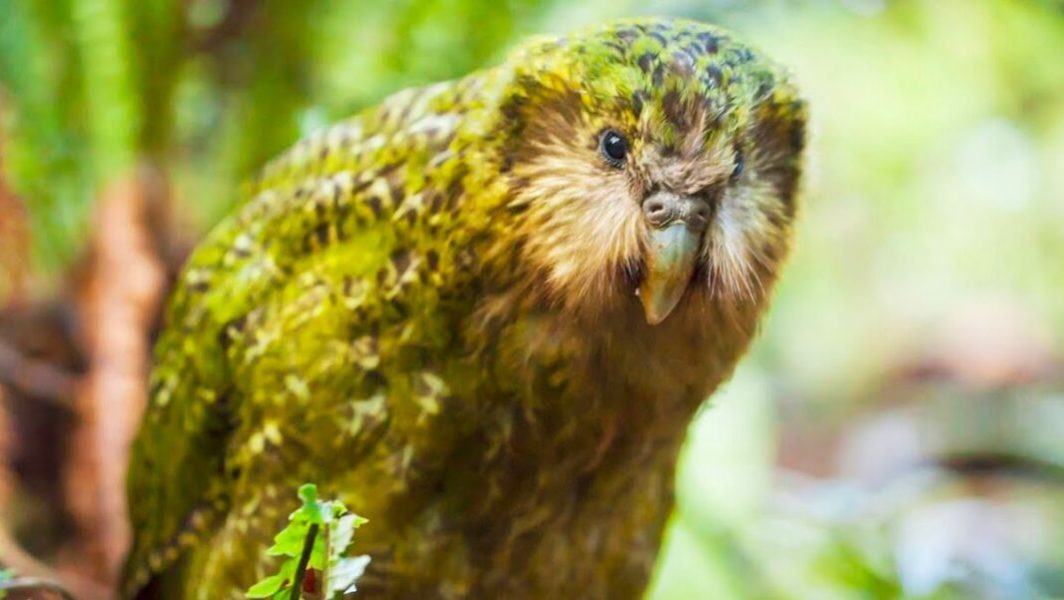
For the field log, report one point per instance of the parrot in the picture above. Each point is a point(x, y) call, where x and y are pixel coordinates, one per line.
point(482, 314)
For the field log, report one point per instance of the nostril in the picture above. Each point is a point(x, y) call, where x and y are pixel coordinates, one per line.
point(656, 210)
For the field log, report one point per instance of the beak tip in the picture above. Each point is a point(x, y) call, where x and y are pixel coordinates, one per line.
point(654, 319)
point(657, 312)
point(670, 265)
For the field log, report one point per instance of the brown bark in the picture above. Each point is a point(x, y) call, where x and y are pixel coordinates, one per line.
point(119, 302)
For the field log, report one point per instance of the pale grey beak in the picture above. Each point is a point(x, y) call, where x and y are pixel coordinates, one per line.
point(675, 241)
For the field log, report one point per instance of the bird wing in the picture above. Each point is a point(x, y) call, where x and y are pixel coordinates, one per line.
point(289, 298)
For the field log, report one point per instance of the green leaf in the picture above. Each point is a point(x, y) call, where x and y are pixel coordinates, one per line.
point(344, 573)
point(311, 509)
point(272, 584)
point(342, 534)
point(289, 541)
point(317, 555)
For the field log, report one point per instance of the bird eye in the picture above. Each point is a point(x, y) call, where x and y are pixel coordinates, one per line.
point(614, 148)
point(740, 164)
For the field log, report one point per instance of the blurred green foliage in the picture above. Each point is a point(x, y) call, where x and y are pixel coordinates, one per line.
point(935, 187)
point(207, 89)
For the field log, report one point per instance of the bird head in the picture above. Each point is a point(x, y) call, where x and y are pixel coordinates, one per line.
point(652, 161)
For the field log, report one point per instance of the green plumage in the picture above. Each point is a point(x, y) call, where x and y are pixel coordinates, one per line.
point(378, 318)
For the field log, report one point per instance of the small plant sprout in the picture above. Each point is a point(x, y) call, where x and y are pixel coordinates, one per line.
point(313, 544)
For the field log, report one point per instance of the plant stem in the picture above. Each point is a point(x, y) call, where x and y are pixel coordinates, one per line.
point(301, 568)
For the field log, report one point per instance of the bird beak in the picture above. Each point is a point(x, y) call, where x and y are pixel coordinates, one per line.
point(670, 262)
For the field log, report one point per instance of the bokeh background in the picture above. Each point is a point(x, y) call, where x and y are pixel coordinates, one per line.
point(897, 431)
